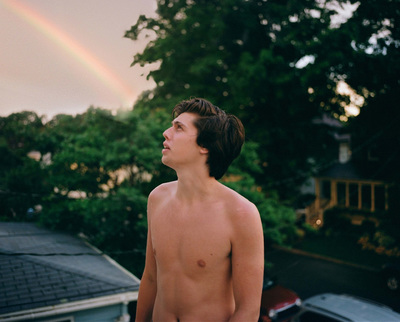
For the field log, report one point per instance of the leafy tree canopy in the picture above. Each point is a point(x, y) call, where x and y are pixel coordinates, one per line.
point(275, 64)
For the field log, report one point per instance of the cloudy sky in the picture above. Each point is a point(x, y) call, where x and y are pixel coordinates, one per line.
point(62, 56)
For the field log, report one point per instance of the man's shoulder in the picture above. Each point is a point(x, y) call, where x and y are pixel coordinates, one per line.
point(243, 215)
point(163, 189)
point(239, 203)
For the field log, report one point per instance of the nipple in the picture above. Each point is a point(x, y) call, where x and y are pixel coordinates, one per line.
point(201, 263)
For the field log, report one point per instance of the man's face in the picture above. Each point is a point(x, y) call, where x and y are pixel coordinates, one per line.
point(180, 146)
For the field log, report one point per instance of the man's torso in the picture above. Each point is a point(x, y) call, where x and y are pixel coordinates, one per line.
point(192, 248)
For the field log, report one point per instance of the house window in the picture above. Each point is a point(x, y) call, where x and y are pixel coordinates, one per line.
point(353, 195)
point(366, 196)
point(379, 197)
point(341, 194)
point(326, 189)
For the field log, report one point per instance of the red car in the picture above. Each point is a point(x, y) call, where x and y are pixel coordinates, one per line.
point(277, 303)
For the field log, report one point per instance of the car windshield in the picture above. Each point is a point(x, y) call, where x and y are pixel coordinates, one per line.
point(312, 317)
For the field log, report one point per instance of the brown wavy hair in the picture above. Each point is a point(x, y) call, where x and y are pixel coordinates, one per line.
point(220, 133)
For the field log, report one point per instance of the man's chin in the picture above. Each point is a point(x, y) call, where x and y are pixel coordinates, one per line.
point(167, 163)
point(164, 161)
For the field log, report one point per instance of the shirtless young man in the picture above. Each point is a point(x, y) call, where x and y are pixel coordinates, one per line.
point(205, 255)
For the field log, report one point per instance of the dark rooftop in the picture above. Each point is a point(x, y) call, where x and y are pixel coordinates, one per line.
point(30, 281)
point(342, 171)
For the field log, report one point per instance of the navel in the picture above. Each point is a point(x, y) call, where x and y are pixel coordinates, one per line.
point(201, 263)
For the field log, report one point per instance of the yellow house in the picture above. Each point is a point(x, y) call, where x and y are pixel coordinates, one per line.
point(344, 187)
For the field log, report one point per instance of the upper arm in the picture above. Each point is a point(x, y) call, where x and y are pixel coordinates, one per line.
point(247, 258)
point(148, 283)
point(150, 270)
point(154, 202)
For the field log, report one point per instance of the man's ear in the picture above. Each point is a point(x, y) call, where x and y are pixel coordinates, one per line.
point(203, 150)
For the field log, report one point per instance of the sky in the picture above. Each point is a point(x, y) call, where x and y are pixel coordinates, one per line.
point(63, 56)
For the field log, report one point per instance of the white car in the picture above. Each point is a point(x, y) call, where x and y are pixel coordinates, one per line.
point(330, 307)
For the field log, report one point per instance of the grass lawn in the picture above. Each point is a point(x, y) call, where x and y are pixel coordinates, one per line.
point(343, 247)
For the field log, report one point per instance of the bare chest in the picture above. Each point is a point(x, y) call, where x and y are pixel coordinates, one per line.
point(190, 240)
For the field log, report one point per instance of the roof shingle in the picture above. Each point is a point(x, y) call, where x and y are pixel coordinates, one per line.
point(29, 282)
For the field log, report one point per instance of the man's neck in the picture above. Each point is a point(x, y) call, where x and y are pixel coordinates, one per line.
point(195, 186)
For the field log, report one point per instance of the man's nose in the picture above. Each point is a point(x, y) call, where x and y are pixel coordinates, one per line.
point(166, 133)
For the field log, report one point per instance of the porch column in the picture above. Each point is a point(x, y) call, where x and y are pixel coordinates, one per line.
point(317, 194)
point(333, 201)
point(372, 197)
point(386, 197)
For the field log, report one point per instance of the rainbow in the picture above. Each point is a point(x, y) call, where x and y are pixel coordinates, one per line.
point(72, 47)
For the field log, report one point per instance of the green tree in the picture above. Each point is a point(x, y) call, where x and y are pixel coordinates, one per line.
point(22, 179)
point(245, 57)
point(375, 75)
point(102, 169)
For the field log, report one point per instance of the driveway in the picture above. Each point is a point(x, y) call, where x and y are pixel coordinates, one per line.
point(308, 276)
